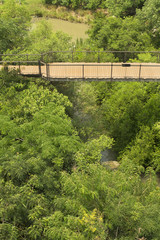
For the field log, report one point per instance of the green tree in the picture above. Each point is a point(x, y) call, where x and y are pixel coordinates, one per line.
point(150, 17)
point(121, 111)
point(112, 33)
point(98, 204)
point(93, 4)
point(37, 142)
point(144, 150)
point(123, 8)
point(42, 39)
point(14, 23)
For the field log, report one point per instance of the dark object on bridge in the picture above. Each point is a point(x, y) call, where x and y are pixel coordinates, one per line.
point(31, 75)
point(126, 64)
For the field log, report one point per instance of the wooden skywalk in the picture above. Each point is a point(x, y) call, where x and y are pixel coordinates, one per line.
point(89, 71)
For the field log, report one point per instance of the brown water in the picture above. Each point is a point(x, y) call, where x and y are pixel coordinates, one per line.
point(75, 30)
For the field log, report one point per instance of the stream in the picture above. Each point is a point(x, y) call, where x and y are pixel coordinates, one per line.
point(75, 30)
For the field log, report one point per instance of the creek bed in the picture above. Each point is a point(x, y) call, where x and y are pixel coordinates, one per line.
point(75, 30)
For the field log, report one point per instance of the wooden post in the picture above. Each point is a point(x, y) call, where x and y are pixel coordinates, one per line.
point(140, 72)
point(39, 65)
point(47, 71)
point(19, 67)
point(111, 71)
point(83, 71)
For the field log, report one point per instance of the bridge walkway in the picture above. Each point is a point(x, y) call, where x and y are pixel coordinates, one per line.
point(88, 71)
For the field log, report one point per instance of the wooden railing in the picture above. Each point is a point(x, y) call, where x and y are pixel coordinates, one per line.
point(81, 56)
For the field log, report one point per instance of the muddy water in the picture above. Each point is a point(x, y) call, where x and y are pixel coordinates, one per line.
point(75, 30)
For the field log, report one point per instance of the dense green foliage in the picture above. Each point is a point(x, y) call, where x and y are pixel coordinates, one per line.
point(113, 33)
point(118, 7)
point(53, 185)
point(14, 23)
point(131, 116)
point(127, 30)
point(37, 141)
point(150, 17)
point(97, 204)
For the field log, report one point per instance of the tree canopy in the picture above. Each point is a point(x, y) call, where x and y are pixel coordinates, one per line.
point(53, 184)
point(14, 23)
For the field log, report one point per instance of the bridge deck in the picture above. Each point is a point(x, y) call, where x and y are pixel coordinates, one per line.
point(92, 71)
